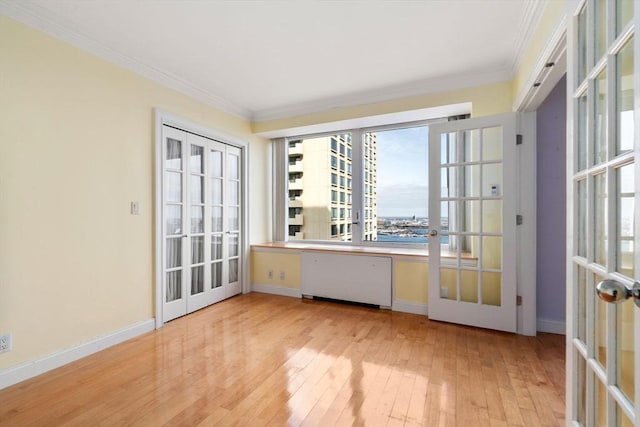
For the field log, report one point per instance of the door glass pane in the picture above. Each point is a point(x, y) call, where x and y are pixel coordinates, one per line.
point(491, 288)
point(234, 167)
point(234, 219)
point(449, 182)
point(469, 216)
point(216, 219)
point(174, 286)
point(601, 403)
point(492, 144)
point(582, 218)
point(197, 219)
point(472, 145)
point(197, 159)
point(174, 154)
point(469, 286)
point(234, 193)
point(197, 280)
point(601, 29)
point(600, 216)
point(492, 252)
point(625, 348)
point(233, 245)
point(624, 98)
point(582, 390)
point(582, 303)
point(216, 275)
point(215, 159)
point(600, 327)
point(197, 249)
point(626, 207)
point(582, 46)
point(216, 191)
point(216, 247)
point(448, 283)
point(449, 219)
point(174, 252)
point(448, 148)
point(173, 219)
point(491, 180)
point(233, 270)
point(622, 419)
point(174, 187)
point(471, 183)
point(624, 13)
point(582, 132)
point(492, 216)
point(600, 146)
point(197, 195)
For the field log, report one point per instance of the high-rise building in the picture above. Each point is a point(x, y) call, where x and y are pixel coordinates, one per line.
point(321, 188)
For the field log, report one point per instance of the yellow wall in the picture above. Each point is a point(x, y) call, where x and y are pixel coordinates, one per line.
point(278, 262)
point(411, 280)
point(77, 146)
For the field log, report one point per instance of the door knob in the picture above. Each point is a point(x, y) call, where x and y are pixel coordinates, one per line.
point(433, 233)
point(614, 292)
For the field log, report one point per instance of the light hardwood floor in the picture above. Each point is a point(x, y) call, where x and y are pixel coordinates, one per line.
point(260, 359)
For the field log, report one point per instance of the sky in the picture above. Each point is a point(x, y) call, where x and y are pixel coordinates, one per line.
point(403, 172)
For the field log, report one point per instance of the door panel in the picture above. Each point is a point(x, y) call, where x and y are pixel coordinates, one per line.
point(202, 212)
point(603, 327)
point(472, 276)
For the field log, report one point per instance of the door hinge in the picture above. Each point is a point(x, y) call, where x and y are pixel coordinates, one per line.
point(518, 299)
point(519, 220)
point(519, 139)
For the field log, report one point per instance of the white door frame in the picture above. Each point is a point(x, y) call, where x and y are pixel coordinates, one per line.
point(164, 118)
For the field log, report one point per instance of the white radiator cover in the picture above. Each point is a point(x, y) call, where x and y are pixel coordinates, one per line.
point(357, 278)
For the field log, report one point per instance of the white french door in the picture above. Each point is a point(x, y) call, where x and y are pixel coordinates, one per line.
point(472, 220)
point(603, 332)
point(201, 202)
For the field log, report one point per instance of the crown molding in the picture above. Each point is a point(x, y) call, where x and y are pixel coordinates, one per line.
point(530, 20)
point(408, 90)
point(33, 16)
point(542, 78)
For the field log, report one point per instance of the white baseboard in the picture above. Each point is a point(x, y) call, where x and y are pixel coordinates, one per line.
point(276, 290)
point(552, 326)
point(410, 307)
point(15, 374)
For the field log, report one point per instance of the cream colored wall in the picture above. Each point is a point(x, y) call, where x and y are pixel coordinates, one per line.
point(487, 99)
point(77, 146)
point(278, 262)
point(411, 280)
point(552, 15)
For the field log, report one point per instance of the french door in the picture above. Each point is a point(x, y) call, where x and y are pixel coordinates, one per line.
point(472, 220)
point(603, 332)
point(202, 188)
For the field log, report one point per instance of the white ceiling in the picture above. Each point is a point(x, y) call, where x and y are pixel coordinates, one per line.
point(270, 59)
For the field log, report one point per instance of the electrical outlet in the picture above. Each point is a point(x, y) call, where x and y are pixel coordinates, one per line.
point(270, 274)
point(282, 275)
point(5, 343)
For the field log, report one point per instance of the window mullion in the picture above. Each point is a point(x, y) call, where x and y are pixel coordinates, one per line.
point(358, 211)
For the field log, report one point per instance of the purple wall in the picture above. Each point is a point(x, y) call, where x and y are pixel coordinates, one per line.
point(551, 200)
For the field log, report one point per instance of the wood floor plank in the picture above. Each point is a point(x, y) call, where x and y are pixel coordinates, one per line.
point(265, 360)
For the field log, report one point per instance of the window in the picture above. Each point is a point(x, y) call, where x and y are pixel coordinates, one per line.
point(388, 202)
